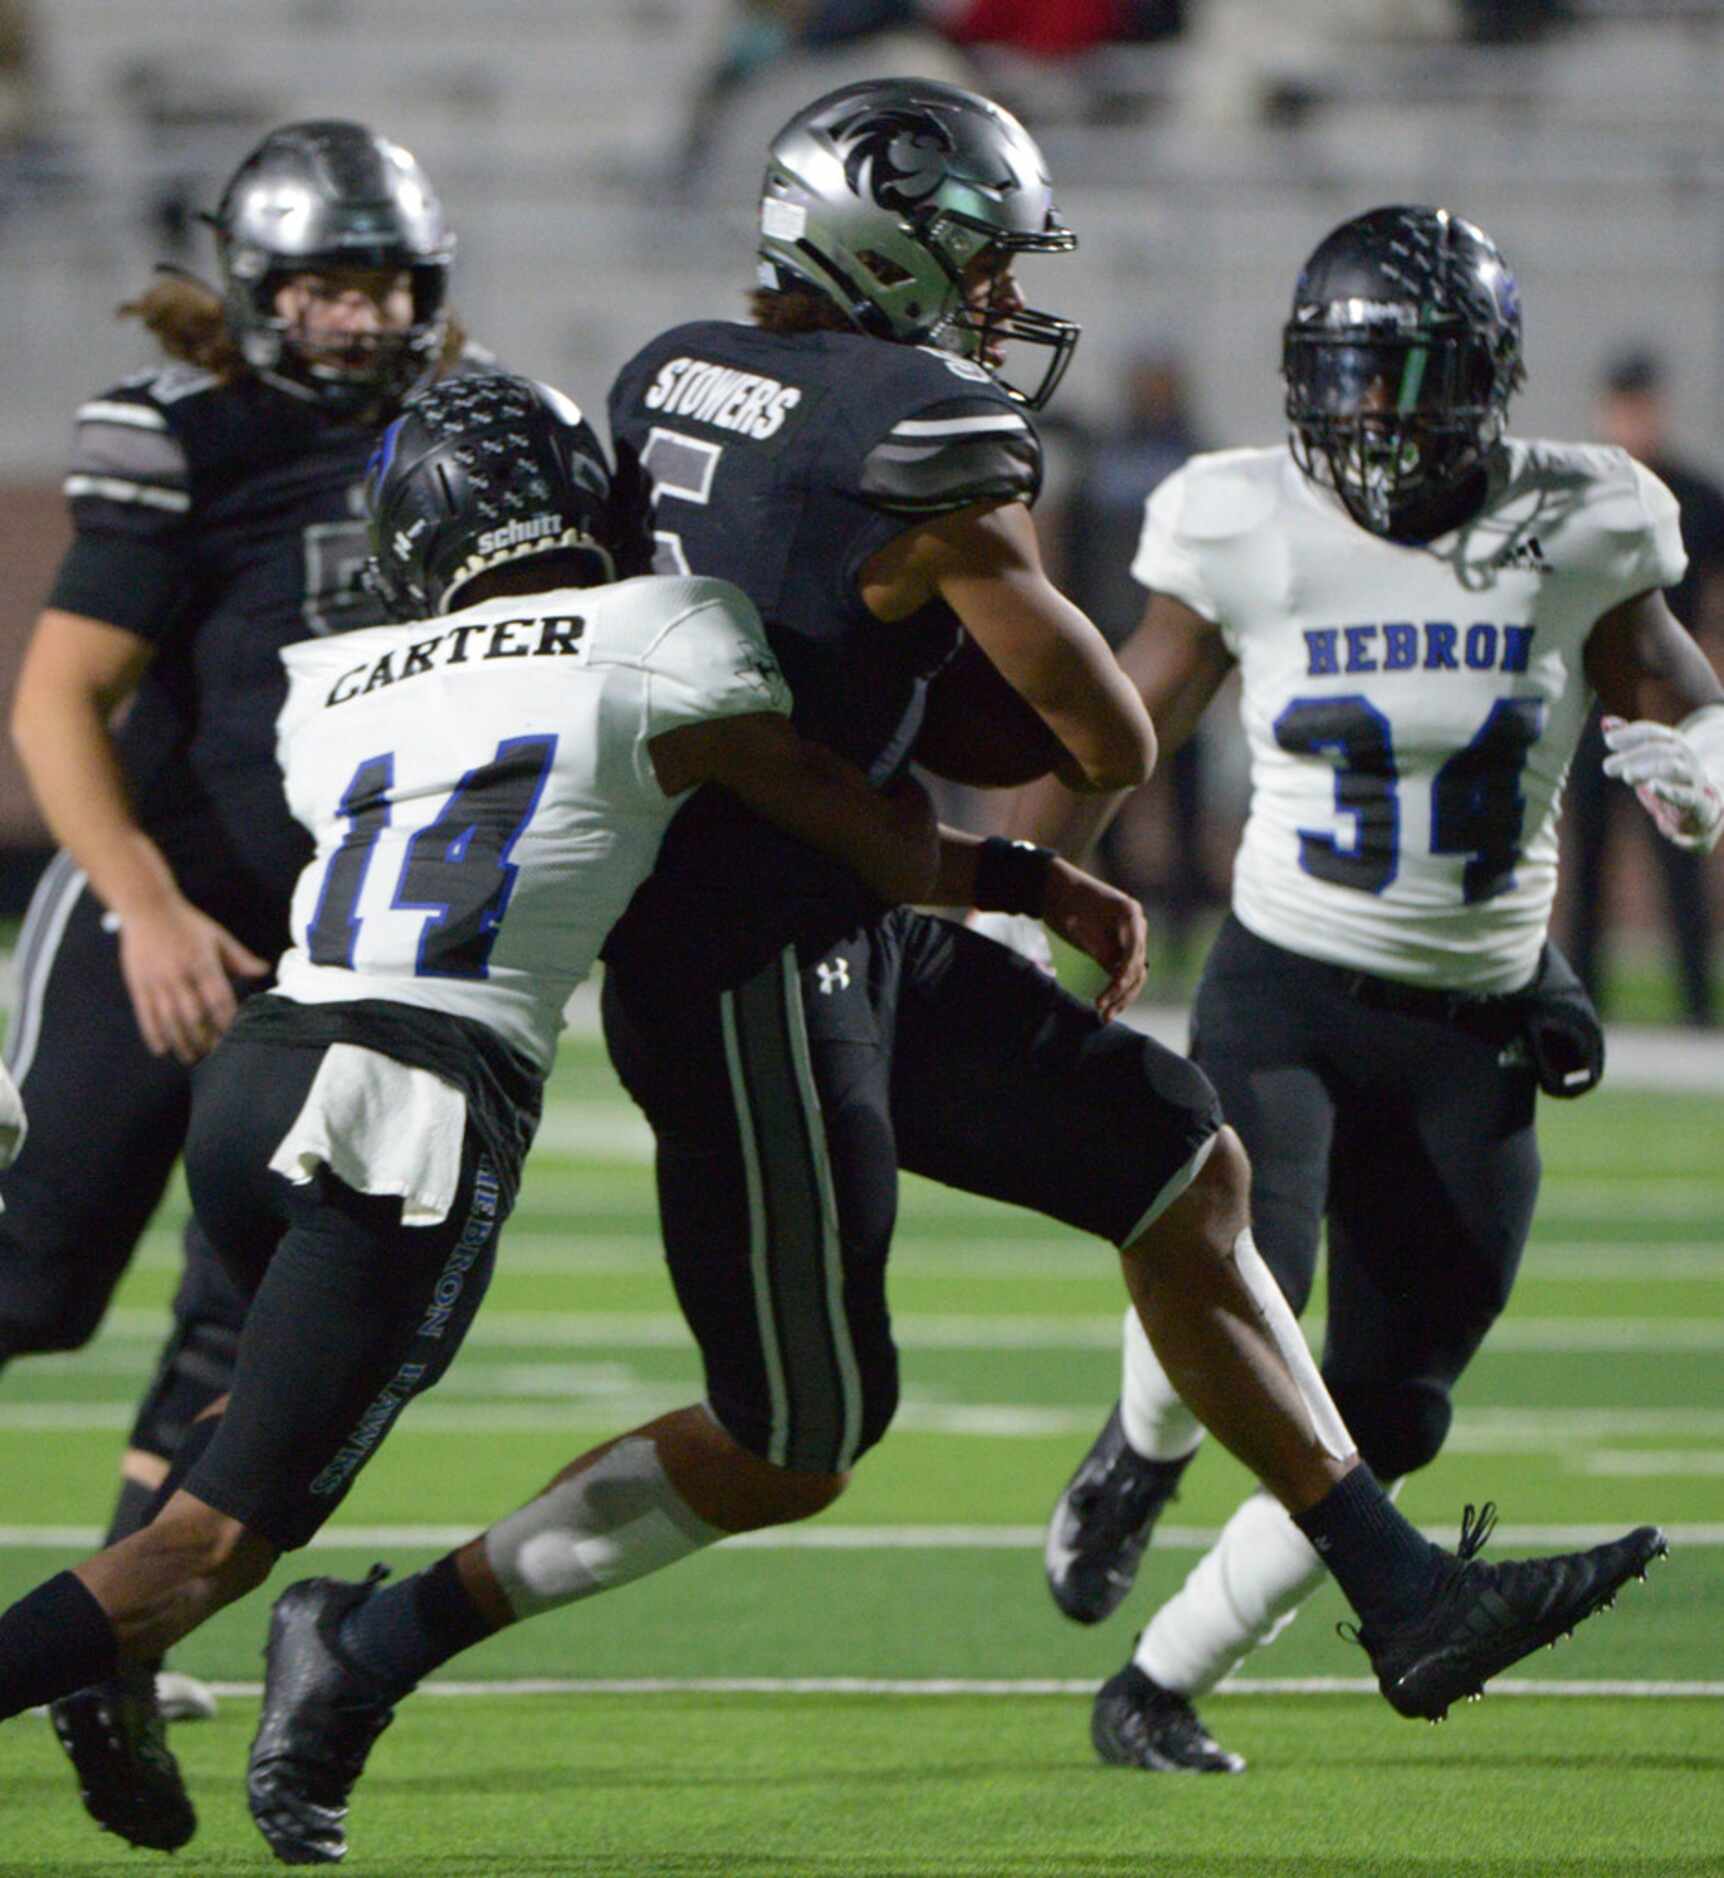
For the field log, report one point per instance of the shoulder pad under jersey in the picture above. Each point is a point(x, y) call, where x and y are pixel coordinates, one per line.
point(128, 465)
point(1223, 493)
point(944, 435)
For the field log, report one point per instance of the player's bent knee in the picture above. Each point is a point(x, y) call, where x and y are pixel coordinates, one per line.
point(1212, 1205)
point(1399, 1426)
point(196, 1370)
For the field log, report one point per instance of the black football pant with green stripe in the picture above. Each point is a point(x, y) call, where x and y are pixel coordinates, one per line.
point(785, 1104)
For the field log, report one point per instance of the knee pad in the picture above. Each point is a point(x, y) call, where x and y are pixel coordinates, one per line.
point(196, 1366)
point(1398, 1426)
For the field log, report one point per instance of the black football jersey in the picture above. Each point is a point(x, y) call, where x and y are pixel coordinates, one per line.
point(220, 520)
point(782, 462)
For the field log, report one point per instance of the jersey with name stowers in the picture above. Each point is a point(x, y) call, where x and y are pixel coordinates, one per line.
point(219, 520)
point(1411, 711)
point(782, 462)
point(481, 795)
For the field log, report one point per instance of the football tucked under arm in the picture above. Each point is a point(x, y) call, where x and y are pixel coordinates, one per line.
point(979, 731)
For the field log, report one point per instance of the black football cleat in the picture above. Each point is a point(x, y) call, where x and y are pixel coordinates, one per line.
point(128, 1779)
point(1102, 1523)
point(321, 1715)
point(1137, 1723)
point(1483, 1617)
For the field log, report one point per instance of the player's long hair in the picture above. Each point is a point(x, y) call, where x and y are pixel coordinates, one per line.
point(795, 310)
point(185, 318)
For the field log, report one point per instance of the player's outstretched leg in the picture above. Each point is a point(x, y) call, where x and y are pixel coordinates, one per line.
point(1137, 1723)
point(1437, 1625)
point(341, 1656)
point(128, 1779)
point(1102, 1522)
point(321, 1716)
point(1483, 1617)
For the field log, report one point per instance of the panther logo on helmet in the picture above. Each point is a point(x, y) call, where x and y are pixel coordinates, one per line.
point(897, 157)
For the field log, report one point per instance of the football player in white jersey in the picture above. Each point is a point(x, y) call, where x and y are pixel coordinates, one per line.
point(486, 787)
point(1421, 608)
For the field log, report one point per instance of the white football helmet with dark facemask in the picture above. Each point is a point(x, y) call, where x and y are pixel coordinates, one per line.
point(880, 196)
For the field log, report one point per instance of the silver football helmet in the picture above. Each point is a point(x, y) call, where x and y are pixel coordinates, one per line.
point(330, 194)
point(881, 195)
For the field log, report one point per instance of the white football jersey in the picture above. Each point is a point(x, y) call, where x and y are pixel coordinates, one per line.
point(480, 792)
point(1410, 711)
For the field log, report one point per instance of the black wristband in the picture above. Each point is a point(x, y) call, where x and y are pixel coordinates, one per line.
point(1012, 876)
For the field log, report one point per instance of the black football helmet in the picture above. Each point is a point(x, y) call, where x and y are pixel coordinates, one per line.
point(481, 470)
point(1401, 355)
point(879, 196)
point(330, 194)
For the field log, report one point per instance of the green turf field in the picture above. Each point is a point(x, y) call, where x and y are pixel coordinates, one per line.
point(889, 1690)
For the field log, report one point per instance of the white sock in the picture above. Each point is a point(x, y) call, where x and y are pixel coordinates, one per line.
point(1240, 1595)
point(617, 1521)
point(1243, 1592)
point(1155, 1420)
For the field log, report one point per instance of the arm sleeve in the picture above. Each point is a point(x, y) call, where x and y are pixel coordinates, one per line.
point(950, 453)
point(129, 490)
point(1166, 560)
point(713, 661)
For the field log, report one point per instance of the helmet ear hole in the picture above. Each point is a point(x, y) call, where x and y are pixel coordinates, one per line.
point(884, 269)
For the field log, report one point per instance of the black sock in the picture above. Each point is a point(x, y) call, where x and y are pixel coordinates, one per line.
point(402, 1633)
point(1385, 1565)
point(131, 1510)
point(53, 1641)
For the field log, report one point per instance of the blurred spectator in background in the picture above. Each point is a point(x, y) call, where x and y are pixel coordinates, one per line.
point(930, 38)
point(1633, 413)
point(763, 34)
point(15, 88)
point(1056, 28)
point(1512, 22)
point(1152, 849)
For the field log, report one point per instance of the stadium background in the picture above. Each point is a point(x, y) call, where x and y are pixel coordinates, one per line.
point(597, 200)
point(1198, 169)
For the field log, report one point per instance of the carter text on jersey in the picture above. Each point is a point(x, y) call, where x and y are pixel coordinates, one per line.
point(558, 635)
point(1436, 645)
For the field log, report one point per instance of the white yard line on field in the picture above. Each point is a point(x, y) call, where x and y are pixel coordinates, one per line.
point(606, 1402)
point(945, 1687)
point(817, 1536)
point(666, 1330)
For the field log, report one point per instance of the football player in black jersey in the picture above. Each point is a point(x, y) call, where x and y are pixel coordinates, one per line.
point(857, 461)
point(216, 502)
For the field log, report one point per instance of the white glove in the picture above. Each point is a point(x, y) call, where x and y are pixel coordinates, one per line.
point(12, 1126)
point(1677, 771)
point(1018, 932)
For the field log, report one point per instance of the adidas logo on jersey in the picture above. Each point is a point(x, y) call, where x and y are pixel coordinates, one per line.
point(512, 533)
point(1524, 554)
